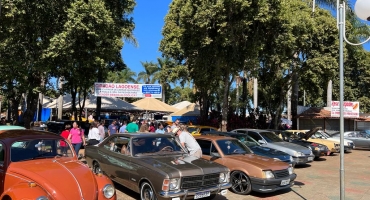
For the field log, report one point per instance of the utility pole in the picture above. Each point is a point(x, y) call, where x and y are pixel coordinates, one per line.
point(60, 98)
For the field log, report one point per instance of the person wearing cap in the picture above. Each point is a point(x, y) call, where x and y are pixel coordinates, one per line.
point(188, 141)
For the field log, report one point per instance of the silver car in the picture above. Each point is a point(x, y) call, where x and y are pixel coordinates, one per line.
point(360, 139)
point(300, 154)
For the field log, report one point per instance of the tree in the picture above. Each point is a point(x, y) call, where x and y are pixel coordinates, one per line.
point(210, 38)
point(123, 76)
point(150, 68)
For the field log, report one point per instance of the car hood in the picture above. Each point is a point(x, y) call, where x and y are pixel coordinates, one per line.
point(261, 162)
point(291, 146)
point(61, 178)
point(269, 152)
point(176, 166)
point(337, 139)
point(308, 134)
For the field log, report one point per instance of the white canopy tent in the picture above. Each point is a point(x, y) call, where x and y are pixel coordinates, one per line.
point(181, 105)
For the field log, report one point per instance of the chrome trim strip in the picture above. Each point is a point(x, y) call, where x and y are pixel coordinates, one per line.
point(78, 184)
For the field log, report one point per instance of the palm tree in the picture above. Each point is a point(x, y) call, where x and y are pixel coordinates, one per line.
point(164, 65)
point(124, 76)
point(148, 75)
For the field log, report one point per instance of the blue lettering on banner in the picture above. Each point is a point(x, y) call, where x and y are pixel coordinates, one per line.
point(151, 89)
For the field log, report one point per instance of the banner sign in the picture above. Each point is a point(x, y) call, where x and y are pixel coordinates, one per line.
point(350, 109)
point(128, 90)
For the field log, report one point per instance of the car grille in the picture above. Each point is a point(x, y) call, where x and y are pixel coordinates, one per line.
point(281, 173)
point(190, 182)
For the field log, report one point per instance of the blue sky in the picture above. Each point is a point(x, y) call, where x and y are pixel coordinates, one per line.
point(149, 19)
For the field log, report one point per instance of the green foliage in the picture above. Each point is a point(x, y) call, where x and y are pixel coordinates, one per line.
point(123, 76)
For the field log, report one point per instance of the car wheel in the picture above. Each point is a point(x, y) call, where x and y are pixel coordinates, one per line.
point(147, 192)
point(241, 183)
point(97, 169)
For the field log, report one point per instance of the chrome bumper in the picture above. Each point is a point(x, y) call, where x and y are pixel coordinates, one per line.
point(183, 194)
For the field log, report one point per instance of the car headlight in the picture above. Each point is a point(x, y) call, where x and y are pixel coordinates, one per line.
point(174, 183)
point(269, 174)
point(297, 153)
point(222, 177)
point(42, 198)
point(290, 170)
point(291, 159)
point(108, 191)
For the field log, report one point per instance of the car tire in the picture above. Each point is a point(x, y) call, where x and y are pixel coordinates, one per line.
point(147, 192)
point(96, 168)
point(241, 183)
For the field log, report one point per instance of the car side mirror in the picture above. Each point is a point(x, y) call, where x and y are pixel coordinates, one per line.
point(261, 142)
point(215, 154)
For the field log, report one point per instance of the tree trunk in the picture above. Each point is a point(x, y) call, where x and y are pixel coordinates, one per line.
point(225, 102)
point(32, 100)
point(203, 102)
point(294, 99)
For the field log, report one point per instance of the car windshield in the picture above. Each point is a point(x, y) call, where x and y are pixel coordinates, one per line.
point(232, 147)
point(39, 148)
point(192, 129)
point(325, 135)
point(250, 142)
point(155, 146)
point(270, 137)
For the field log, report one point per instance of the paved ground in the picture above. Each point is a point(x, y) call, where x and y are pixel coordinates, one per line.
point(318, 180)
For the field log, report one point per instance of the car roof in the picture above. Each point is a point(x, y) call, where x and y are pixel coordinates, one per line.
point(4, 134)
point(212, 137)
point(5, 127)
point(255, 130)
point(143, 135)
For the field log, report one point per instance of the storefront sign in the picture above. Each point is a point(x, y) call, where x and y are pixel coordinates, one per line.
point(128, 90)
point(350, 109)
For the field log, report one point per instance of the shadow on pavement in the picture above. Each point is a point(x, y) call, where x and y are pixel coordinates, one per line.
point(297, 183)
point(320, 159)
point(272, 194)
point(302, 166)
point(302, 197)
point(126, 191)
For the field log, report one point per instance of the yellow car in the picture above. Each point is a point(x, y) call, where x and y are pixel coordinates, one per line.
point(309, 135)
point(198, 129)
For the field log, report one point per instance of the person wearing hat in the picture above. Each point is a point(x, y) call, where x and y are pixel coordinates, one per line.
point(188, 141)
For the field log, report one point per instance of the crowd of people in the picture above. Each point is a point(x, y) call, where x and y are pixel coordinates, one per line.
point(97, 133)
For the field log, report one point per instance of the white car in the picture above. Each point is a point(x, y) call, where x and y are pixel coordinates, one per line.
point(348, 144)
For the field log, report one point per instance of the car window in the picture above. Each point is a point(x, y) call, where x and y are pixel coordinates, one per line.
point(205, 145)
point(192, 129)
point(270, 137)
point(255, 136)
point(39, 148)
point(232, 147)
point(241, 131)
point(247, 140)
point(155, 145)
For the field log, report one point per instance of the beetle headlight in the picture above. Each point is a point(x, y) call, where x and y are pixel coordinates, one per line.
point(290, 170)
point(269, 174)
point(42, 198)
point(174, 183)
point(108, 191)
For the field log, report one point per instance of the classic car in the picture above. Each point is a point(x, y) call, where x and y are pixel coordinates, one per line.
point(198, 129)
point(249, 172)
point(42, 165)
point(255, 147)
point(308, 135)
point(317, 149)
point(157, 167)
point(361, 139)
point(301, 155)
point(348, 144)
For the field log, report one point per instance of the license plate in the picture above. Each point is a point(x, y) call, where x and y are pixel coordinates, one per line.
point(285, 182)
point(310, 158)
point(202, 194)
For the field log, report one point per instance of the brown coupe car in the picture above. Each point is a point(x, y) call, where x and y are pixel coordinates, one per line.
point(157, 167)
point(248, 171)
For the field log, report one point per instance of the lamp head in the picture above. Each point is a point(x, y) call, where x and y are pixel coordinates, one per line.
point(362, 9)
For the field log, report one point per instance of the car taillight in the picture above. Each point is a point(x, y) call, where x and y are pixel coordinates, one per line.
point(314, 144)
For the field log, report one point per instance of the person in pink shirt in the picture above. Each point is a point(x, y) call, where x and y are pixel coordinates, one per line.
point(76, 137)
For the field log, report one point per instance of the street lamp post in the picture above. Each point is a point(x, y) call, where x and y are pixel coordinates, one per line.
point(362, 10)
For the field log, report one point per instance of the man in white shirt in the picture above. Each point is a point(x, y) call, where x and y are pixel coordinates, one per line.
point(188, 141)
